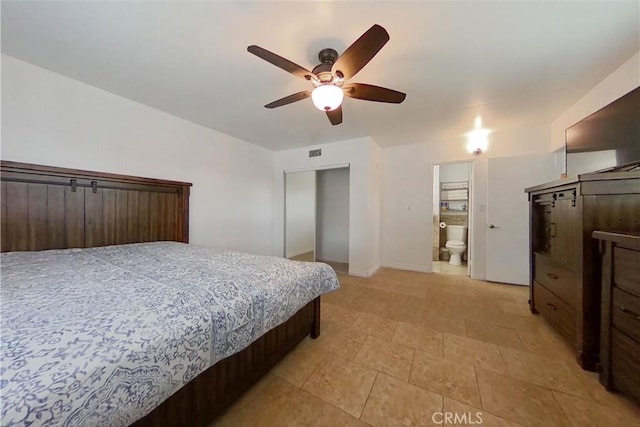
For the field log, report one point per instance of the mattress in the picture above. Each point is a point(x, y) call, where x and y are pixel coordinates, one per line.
point(101, 336)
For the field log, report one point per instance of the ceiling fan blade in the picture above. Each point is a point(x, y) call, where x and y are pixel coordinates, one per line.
point(281, 62)
point(289, 99)
point(373, 93)
point(361, 51)
point(335, 116)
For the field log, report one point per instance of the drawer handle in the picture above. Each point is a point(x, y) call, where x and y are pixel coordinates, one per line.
point(551, 306)
point(552, 276)
point(629, 312)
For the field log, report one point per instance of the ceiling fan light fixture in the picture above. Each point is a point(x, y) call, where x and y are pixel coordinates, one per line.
point(327, 97)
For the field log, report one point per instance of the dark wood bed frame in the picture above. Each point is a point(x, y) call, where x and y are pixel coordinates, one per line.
point(44, 207)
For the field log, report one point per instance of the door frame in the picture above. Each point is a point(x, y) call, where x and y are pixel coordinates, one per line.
point(315, 169)
point(471, 213)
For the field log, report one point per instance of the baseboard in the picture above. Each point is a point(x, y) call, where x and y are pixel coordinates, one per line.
point(358, 273)
point(374, 269)
point(408, 267)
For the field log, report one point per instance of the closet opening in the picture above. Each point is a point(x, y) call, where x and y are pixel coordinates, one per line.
point(317, 216)
point(452, 185)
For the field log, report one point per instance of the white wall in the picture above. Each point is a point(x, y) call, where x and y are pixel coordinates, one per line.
point(300, 199)
point(364, 158)
point(53, 120)
point(624, 79)
point(407, 195)
point(332, 231)
point(451, 172)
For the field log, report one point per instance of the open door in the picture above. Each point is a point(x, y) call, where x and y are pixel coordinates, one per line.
point(507, 238)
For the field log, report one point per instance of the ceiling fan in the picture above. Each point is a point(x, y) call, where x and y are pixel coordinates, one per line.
point(328, 78)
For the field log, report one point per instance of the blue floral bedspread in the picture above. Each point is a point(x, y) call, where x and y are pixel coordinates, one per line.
point(101, 336)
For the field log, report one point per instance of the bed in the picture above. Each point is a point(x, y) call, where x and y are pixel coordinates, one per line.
point(188, 329)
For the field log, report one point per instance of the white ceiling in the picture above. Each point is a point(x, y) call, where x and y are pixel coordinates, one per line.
point(515, 63)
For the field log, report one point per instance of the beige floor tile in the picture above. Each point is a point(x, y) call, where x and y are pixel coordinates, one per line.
point(586, 413)
point(454, 310)
point(445, 268)
point(298, 365)
point(526, 324)
point(347, 281)
point(395, 403)
point(519, 401)
point(404, 288)
point(343, 342)
point(520, 308)
point(282, 404)
point(345, 317)
point(406, 313)
point(427, 340)
point(546, 342)
point(477, 353)
point(543, 371)
point(343, 384)
point(376, 326)
point(343, 296)
point(449, 378)
point(383, 356)
point(499, 335)
point(369, 303)
point(445, 322)
point(468, 415)
point(613, 401)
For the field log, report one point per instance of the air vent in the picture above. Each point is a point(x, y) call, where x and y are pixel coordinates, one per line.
point(315, 153)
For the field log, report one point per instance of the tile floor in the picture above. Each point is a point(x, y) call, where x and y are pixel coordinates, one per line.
point(404, 348)
point(446, 268)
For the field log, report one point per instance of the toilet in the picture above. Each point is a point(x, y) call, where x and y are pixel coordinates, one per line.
point(456, 243)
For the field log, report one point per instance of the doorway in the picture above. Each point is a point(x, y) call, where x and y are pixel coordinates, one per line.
point(317, 216)
point(451, 218)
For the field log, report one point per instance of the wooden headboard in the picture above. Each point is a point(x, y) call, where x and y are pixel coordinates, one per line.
point(44, 207)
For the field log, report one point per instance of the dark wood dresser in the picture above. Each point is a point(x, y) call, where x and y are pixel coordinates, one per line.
point(565, 272)
point(620, 318)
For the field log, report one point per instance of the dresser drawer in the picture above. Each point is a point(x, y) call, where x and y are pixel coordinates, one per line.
point(556, 312)
point(625, 312)
point(558, 280)
point(625, 364)
point(626, 274)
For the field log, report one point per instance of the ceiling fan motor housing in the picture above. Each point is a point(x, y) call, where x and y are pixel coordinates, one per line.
point(327, 58)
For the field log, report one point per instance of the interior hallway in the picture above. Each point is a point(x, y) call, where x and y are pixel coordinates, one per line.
point(398, 347)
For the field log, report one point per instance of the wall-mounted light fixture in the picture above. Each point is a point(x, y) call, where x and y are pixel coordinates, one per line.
point(478, 138)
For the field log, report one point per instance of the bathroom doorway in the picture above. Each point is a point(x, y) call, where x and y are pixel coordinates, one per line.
point(452, 190)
